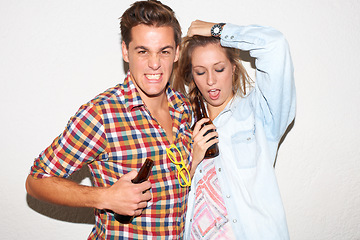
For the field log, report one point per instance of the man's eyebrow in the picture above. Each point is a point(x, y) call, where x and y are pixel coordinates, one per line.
point(147, 49)
point(141, 47)
point(169, 46)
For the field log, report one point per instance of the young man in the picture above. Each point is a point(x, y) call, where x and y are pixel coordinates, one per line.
point(115, 132)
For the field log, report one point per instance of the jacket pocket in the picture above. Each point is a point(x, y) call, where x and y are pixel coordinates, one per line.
point(244, 148)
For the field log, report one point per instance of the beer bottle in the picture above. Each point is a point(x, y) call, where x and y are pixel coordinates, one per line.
point(200, 112)
point(142, 176)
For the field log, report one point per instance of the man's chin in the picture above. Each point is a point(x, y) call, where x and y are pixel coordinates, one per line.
point(154, 94)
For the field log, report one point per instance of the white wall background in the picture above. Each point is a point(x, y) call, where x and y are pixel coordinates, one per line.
point(57, 55)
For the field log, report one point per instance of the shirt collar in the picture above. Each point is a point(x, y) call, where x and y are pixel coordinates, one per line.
point(176, 100)
point(232, 104)
point(239, 108)
point(132, 96)
point(227, 112)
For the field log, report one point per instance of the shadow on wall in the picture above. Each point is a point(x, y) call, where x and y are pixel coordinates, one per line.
point(245, 57)
point(291, 125)
point(63, 213)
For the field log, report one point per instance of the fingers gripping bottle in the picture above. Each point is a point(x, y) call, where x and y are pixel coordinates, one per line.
point(200, 113)
point(142, 176)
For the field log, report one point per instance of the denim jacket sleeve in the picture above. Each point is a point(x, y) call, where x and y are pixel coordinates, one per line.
point(273, 99)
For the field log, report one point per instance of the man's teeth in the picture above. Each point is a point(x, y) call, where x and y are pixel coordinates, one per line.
point(213, 90)
point(153, 76)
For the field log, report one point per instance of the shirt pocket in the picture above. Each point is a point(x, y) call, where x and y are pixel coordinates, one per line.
point(244, 148)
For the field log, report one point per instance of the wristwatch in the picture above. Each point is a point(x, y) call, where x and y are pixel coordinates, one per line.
point(217, 29)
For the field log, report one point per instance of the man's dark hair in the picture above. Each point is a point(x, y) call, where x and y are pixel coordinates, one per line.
point(150, 13)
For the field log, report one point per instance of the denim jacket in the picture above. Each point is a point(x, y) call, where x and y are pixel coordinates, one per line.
point(250, 129)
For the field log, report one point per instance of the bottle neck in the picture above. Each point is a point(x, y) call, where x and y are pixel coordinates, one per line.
point(203, 109)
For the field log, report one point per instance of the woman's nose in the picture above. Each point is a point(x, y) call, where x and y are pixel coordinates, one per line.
point(211, 80)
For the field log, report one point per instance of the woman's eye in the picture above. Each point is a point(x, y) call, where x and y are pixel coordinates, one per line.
point(200, 73)
point(220, 70)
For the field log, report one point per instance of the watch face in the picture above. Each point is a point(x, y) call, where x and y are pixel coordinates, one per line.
point(216, 30)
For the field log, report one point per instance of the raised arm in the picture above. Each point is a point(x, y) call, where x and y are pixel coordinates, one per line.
point(274, 98)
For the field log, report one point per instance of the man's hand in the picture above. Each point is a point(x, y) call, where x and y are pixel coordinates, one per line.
point(125, 197)
point(199, 27)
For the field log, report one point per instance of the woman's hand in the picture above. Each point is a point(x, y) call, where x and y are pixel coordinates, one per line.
point(201, 142)
point(199, 27)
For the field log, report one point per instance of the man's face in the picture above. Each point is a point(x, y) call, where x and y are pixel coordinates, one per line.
point(151, 55)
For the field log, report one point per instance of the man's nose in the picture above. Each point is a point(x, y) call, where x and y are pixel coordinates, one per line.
point(154, 62)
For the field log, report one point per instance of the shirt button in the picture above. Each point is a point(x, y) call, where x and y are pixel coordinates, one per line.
point(200, 171)
point(232, 37)
point(249, 138)
point(234, 221)
point(190, 220)
point(226, 36)
point(228, 196)
point(219, 169)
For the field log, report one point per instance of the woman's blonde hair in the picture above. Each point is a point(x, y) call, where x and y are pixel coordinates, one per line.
point(183, 73)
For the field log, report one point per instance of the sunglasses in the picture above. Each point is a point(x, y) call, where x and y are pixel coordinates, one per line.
point(183, 174)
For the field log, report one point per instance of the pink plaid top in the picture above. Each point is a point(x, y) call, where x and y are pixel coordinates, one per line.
point(210, 219)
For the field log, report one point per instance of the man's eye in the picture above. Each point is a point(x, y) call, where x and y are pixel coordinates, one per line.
point(165, 52)
point(142, 52)
point(220, 70)
point(200, 73)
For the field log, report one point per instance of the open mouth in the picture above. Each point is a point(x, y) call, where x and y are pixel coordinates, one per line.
point(155, 77)
point(214, 94)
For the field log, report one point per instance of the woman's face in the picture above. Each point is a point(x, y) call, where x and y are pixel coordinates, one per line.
point(212, 72)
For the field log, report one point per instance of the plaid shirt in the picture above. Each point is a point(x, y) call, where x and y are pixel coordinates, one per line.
point(112, 135)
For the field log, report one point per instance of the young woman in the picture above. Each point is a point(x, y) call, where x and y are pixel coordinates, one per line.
point(235, 195)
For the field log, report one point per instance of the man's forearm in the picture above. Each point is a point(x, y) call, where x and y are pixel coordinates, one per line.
point(64, 192)
point(122, 197)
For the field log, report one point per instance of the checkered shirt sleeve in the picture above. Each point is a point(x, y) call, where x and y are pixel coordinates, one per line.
point(81, 142)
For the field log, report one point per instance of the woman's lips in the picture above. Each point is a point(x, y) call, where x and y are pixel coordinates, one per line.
point(214, 94)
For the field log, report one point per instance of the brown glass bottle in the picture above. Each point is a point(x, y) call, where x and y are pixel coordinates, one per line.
point(200, 112)
point(142, 176)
